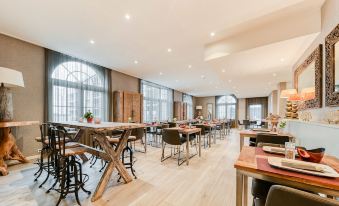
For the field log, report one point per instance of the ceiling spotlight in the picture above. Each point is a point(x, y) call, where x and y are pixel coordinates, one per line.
point(160, 73)
point(274, 74)
point(202, 76)
point(136, 62)
point(92, 41)
point(127, 17)
point(230, 80)
point(176, 80)
point(282, 59)
point(223, 70)
point(189, 66)
point(169, 50)
point(212, 34)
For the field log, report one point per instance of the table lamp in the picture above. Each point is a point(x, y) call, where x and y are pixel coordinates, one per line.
point(8, 78)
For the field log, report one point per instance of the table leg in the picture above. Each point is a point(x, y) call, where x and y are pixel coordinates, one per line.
point(187, 148)
point(239, 189)
point(215, 135)
point(115, 162)
point(145, 143)
point(245, 192)
point(200, 144)
point(209, 138)
point(241, 141)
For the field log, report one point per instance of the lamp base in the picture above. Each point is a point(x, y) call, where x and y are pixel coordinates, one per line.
point(6, 105)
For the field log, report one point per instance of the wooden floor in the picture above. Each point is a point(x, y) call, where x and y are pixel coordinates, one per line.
point(209, 180)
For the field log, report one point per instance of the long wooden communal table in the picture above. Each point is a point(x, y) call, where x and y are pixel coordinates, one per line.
point(188, 132)
point(247, 166)
point(8, 147)
point(109, 154)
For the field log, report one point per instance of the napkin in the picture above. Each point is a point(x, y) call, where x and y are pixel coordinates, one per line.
point(302, 165)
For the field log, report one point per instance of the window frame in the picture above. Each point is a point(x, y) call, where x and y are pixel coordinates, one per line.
point(222, 107)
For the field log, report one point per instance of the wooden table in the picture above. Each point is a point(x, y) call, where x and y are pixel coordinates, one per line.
point(188, 132)
point(8, 148)
point(109, 154)
point(246, 166)
point(253, 134)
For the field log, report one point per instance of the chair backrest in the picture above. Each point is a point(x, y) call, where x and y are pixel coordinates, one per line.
point(138, 133)
point(172, 124)
point(282, 196)
point(271, 138)
point(202, 127)
point(164, 126)
point(246, 122)
point(239, 122)
point(45, 132)
point(57, 141)
point(171, 136)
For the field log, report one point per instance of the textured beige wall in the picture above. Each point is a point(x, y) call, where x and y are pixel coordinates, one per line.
point(124, 82)
point(203, 101)
point(28, 101)
point(330, 18)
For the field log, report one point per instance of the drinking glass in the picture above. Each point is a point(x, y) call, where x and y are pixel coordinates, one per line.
point(290, 150)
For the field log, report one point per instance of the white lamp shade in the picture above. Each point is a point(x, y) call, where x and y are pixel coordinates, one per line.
point(11, 78)
point(198, 107)
point(287, 93)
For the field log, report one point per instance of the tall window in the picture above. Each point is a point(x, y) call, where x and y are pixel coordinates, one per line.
point(226, 107)
point(255, 112)
point(188, 99)
point(75, 87)
point(158, 102)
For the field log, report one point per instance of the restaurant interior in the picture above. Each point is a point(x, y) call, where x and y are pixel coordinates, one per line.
point(221, 102)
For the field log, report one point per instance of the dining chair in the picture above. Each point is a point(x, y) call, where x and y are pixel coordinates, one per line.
point(221, 128)
point(286, 196)
point(260, 188)
point(159, 131)
point(240, 124)
point(172, 137)
point(246, 123)
point(205, 133)
point(172, 124)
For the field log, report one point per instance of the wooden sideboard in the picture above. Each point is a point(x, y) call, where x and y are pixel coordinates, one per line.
point(127, 104)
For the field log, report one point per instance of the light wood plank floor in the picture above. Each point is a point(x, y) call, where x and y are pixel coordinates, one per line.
point(209, 180)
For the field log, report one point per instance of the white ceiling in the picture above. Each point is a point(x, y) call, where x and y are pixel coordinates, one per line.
point(182, 25)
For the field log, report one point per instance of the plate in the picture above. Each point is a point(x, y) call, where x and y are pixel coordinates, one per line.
point(328, 171)
point(261, 130)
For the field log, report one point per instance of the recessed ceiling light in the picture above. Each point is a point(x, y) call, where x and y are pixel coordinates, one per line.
point(223, 70)
point(202, 76)
point(127, 16)
point(189, 66)
point(234, 87)
point(212, 34)
point(230, 80)
point(216, 87)
point(92, 41)
point(160, 73)
point(274, 74)
point(136, 62)
point(169, 50)
point(282, 59)
point(176, 80)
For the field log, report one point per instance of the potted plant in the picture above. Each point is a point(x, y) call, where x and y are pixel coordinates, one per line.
point(282, 126)
point(89, 116)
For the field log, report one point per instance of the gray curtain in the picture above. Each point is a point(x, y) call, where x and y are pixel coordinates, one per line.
point(75, 86)
point(263, 101)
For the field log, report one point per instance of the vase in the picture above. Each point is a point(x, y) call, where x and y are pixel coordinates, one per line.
point(90, 120)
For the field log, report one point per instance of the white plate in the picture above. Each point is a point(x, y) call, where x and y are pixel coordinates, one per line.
point(260, 130)
point(329, 171)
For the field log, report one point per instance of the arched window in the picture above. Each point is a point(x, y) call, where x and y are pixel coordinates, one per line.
point(226, 107)
point(76, 88)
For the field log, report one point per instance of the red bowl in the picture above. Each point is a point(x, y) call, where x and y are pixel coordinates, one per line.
point(314, 155)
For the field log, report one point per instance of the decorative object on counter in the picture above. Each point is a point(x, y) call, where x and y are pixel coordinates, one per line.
point(282, 125)
point(332, 68)
point(313, 155)
point(273, 119)
point(89, 116)
point(97, 121)
point(290, 150)
point(81, 119)
point(129, 119)
point(308, 80)
point(8, 78)
point(305, 116)
point(332, 117)
point(174, 119)
point(291, 107)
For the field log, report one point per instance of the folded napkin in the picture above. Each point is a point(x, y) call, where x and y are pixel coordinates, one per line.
point(302, 165)
point(277, 149)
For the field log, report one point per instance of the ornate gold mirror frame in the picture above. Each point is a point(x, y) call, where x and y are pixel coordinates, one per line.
point(331, 97)
point(316, 56)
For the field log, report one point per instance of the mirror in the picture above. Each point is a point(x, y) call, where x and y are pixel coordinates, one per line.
point(336, 67)
point(308, 80)
point(332, 68)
